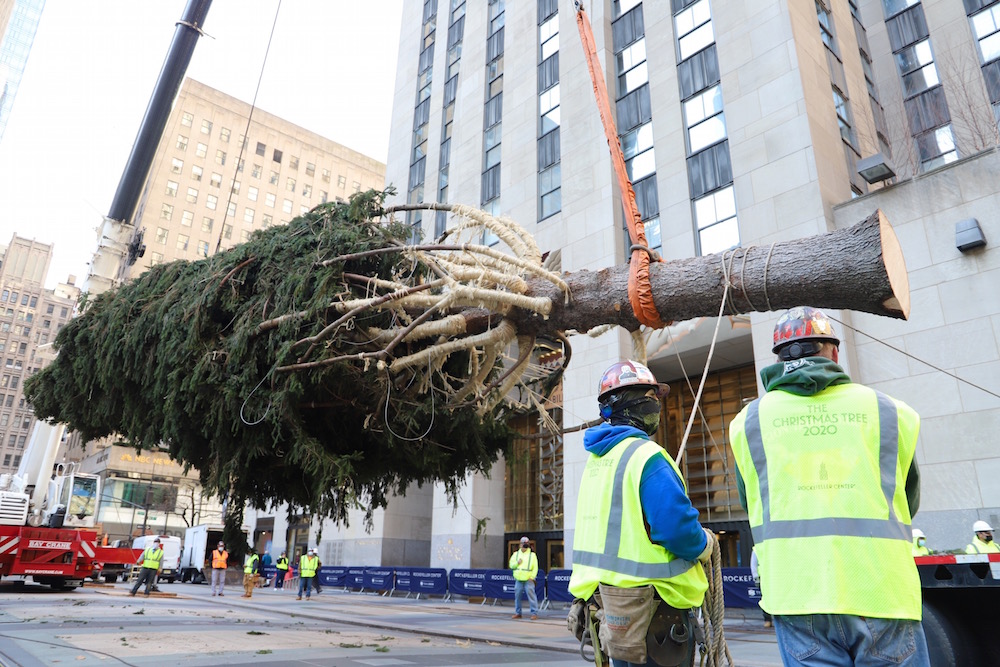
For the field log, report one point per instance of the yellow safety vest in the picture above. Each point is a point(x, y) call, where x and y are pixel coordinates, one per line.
point(920, 551)
point(151, 558)
point(307, 566)
point(282, 563)
point(248, 568)
point(611, 545)
point(525, 567)
point(825, 483)
point(980, 547)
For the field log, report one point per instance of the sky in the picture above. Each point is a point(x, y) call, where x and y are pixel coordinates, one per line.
point(93, 65)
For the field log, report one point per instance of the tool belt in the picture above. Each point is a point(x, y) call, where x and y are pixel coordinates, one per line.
point(634, 625)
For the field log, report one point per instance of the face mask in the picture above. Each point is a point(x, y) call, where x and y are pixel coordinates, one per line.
point(920, 541)
point(988, 539)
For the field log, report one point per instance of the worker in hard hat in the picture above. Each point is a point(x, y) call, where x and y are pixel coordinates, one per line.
point(920, 543)
point(826, 472)
point(638, 539)
point(983, 542)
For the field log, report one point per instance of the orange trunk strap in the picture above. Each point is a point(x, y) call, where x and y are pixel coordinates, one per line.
point(640, 291)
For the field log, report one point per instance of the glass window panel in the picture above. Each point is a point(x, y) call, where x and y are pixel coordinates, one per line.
point(893, 7)
point(725, 203)
point(549, 28)
point(635, 78)
point(696, 41)
point(692, 17)
point(990, 47)
point(549, 99)
point(551, 203)
point(496, 87)
point(550, 121)
point(550, 46)
point(637, 140)
point(494, 135)
point(492, 156)
point(704, 105)
point(641, 165)
point(625, 5)
point(722, 236)
point(653, 237)
point(550, 179)
point(914, 57)
point(920, 80)
point(707, 132)
point(632, 55)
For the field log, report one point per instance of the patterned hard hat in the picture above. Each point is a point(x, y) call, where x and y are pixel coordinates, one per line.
point(628, 374)
point(803, 323)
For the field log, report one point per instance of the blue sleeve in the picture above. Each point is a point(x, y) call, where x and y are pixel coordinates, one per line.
point(673, 520)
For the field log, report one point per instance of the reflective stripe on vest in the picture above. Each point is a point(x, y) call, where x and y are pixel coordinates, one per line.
point(609, 559)
point(890, 528)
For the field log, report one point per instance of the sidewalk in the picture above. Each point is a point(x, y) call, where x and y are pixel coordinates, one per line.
point(750, 644)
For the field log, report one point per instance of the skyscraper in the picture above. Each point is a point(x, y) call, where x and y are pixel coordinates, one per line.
point(18, 23)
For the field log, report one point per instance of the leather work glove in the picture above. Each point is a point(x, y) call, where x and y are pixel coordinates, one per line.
point(710, 541)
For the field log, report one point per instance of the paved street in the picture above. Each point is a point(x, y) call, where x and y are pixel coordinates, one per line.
point(102, 625)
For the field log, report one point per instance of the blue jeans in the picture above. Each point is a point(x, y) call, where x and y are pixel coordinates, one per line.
point(525, 588)
point(840, 640)
point(305, 584)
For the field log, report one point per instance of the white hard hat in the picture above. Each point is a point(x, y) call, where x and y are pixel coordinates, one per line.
point(918, 533)
point(981, 526)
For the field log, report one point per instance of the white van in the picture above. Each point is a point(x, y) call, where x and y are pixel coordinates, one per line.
point(171, 554)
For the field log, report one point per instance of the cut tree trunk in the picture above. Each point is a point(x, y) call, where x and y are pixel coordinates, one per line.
point(859, 268)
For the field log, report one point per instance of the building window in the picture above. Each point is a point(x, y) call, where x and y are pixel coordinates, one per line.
point(206, 127)
point(224, 134)
point(176, 166)
point(694, 29)
point(277, 156)
point(255, 172)
point(715, 216)
point(216, 180)
point(266, 220)
point(248, 215)
point(252, 193)
point(916, 66)
point(261, 149)
point(235, 187)
point(341, 181)
point(203, 248)
point(201, 150)
point(192, 195)
point(187, 119)
point(293, 163)
point(273, 180)
point(324, 196)
point(171, 190)
point(826, 26)
point(893, 7)
point(196, 172)
point(307, 191)
point(206, 224)
point(187, 218)
point(211, 202)
point(269, 200)
point(549, 190)
point(286, 206)
point(182, 241)
point(161, 236)
point(986, 26)
point(231, 210)
point(244, 235)
point(310, 169)
point(182, 142)
point(290, 184)
point(326, 176)
point(220, 157)
point(227, 231)
point(936, 147)
point(705, 119)
point(166, 211)
point(356, 185)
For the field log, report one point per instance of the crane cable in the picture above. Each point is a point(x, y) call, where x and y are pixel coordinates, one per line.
point(640, 291)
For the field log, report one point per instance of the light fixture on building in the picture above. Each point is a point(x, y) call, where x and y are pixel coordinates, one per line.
point(969, 235)
point(875, 169)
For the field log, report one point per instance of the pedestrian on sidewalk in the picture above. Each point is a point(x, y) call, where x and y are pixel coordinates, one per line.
point(524, 563)
point(220, 561)
point(282, 565)
point(152, 562)
point(250, 571)
point(308, 565)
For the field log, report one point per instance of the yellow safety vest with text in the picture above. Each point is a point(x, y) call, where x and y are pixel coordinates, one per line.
point(611, 545)
point(151, 558)
point(825, 480)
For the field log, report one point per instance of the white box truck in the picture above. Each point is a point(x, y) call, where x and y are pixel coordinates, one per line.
point(196, 556)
